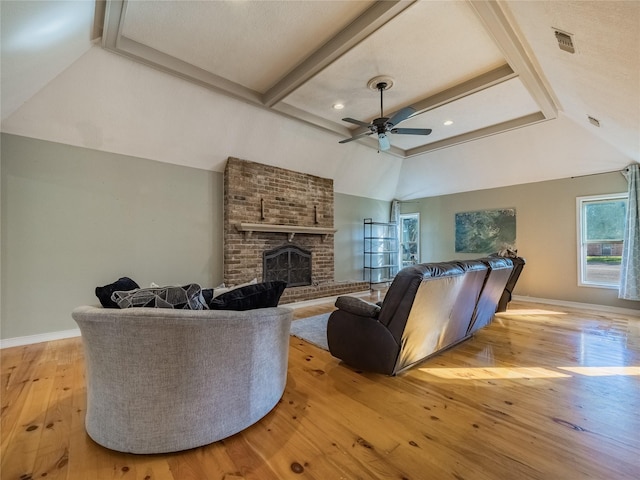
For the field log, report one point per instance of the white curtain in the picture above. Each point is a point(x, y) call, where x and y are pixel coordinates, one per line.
point(395, 211)
point(394, 216)
point(630, 267)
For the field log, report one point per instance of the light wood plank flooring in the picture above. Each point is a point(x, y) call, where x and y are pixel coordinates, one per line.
point(542, 393)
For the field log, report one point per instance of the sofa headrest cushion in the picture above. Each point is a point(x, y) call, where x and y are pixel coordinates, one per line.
point(497, 263)
point(472, 265)
point(438, 269)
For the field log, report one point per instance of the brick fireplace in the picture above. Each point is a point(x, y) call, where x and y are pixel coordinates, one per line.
point(267, 208)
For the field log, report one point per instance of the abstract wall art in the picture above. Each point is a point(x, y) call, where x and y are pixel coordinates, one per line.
point(486, 231)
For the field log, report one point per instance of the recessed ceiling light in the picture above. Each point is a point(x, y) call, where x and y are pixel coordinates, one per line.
point(338, 106)
point(448, 122)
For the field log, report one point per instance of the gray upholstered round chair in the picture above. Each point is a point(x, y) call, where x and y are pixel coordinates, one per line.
point(163, 380)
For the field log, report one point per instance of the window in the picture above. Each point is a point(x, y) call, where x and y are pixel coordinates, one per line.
point(409, 239)
point(600, 233)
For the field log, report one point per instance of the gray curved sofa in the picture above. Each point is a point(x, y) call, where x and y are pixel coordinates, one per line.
point(164, 380)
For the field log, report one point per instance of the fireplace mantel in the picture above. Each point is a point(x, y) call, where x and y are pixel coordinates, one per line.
point(290, 230)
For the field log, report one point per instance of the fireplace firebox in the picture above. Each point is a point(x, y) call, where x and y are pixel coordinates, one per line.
point(288, 263)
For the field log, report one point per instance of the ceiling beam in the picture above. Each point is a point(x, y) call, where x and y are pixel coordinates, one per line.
point(113, 40)
point(377, 15)
point(363, 26)
point(98, 19)
point(372, 19)
point(329, 126)
point(304, 116)
point(474, 85)
point(499, 28)
point(476, 134)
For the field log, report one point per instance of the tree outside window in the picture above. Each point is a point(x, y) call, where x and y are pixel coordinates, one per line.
point(600, 233)
point(409, 239)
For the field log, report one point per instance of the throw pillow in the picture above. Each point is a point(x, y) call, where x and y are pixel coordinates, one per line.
point(211, 293)
point(222, 288)
point(207, 294)
point(122, 284)
point(249, 297)
point(357, 306)
point(188, 297)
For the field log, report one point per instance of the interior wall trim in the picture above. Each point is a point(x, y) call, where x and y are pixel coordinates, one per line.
point(38, 338)
point(586, 306)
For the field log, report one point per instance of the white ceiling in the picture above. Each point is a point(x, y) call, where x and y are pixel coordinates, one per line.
point(301, 58)
point(258, 80)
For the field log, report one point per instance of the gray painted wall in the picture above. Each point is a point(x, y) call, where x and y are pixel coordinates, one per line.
point(74, 218)
point(546, 233)
point(350, 212)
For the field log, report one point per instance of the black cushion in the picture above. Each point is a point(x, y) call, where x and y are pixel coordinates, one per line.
point(249, 297)
point(122, 284)
point(207, 294)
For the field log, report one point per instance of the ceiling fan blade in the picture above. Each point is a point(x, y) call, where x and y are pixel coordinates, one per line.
point(412, 131)
point(356, 122)
point(401, 116)
point(383, 142)
point(347, 140)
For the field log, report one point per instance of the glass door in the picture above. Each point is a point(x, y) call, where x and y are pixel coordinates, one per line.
point(409, 239)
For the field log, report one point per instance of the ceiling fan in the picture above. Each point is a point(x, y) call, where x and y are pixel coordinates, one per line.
point(384, 125)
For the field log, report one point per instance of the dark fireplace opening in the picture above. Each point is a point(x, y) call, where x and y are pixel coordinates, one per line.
point(289, 263)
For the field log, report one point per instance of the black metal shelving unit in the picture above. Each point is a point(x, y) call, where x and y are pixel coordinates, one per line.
point(380, 252)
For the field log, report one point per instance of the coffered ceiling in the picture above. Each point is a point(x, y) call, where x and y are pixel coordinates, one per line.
point(195, 82)
point(456, 61)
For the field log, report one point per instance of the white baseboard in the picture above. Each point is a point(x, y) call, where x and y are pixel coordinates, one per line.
point(318, 301)
point(586, 306)
point(40, 337)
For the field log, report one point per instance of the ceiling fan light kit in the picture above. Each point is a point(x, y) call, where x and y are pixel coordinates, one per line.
point(383, 125)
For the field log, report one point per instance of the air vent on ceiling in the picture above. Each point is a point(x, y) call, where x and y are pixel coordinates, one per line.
point(564, 41)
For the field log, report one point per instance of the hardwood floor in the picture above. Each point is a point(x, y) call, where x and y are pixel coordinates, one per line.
point(542, 393)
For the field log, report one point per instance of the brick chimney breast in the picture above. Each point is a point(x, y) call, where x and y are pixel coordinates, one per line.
point(264, 194)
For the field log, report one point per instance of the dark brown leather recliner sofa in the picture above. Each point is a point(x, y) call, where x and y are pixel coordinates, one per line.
point(428, 308)
point(518, 265)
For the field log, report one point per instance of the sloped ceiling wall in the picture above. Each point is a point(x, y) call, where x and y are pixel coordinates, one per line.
point(39, 41)
point(551, 150)
point(107, 102)
point(602, 79)
point(63, 89)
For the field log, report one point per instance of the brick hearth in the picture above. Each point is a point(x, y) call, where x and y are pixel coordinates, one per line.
point(262, 194)
point(297, 294)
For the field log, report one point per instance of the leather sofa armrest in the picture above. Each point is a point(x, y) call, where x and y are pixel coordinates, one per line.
point(362, 342)
point(357, 306)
